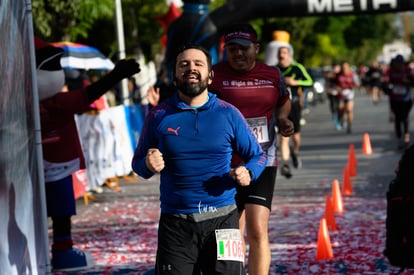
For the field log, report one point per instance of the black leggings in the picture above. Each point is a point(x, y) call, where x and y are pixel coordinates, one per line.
point(333, 104)
point(401, 110)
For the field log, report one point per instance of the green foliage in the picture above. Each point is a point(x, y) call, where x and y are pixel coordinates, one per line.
point(216, 3)
point(323, 40)
point(68, 20)
point(93, 22)
point(325, 52)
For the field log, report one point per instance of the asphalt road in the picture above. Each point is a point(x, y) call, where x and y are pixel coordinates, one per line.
point(324, 150)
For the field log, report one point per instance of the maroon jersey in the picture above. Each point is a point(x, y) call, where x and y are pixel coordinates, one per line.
point(257, 94)
point(345, 81)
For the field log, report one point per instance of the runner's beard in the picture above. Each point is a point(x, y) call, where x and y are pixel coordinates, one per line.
point(192, 89)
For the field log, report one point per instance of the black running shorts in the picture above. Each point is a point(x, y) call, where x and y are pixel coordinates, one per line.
point(188, 247)
point(259, 192)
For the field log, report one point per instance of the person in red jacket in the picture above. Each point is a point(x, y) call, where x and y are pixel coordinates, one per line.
point(62, 152)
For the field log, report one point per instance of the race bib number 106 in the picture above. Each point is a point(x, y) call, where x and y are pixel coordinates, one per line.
point(229, 245)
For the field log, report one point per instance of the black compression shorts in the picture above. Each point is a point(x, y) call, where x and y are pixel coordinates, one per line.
point(295, 115)
point(259, 192)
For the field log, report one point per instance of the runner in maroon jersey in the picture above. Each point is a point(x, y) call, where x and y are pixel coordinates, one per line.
point(259, 92)
point(346, 83)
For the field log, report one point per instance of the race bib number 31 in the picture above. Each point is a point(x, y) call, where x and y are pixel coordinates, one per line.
point(259, 128)
point(229, 245)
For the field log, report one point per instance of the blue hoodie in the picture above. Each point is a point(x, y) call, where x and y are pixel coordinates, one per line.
point(197, 146)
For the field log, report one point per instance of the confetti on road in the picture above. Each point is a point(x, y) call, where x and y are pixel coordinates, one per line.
point(122, 236)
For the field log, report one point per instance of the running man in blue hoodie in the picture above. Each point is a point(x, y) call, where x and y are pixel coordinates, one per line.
point(189, 139)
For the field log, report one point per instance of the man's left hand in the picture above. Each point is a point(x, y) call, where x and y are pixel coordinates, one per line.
point(241, 175)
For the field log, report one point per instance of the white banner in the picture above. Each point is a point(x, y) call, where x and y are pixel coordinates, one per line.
point(108, 141)
point(23, 227)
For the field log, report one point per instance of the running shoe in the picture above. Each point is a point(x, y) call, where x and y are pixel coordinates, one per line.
point(71, 260)
point(348, 129)
point(391, 118)
point(297, 163)
point(400, 144)
point(338, 125)
point(285, 171)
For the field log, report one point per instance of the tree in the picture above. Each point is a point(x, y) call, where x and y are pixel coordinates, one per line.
point(92, 22)
point(68, 20)
point(323, 40)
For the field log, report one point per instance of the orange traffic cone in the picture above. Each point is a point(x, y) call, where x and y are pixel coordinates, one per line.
point(352, 161)
point(346, 182)
point(329, 214)
point(337, 203)
point(366, 145)
point(324, 248)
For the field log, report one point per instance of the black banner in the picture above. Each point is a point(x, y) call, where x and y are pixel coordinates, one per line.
point(236, 10)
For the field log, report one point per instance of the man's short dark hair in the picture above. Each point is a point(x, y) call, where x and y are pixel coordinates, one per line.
point(197, 47)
